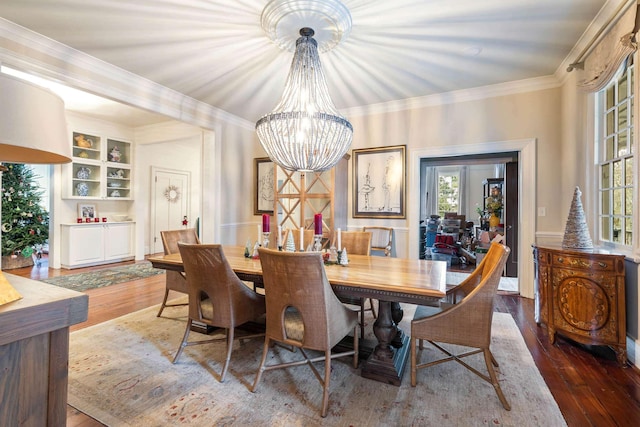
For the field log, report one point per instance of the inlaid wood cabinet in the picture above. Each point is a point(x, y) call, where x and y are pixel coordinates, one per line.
point(581, 294)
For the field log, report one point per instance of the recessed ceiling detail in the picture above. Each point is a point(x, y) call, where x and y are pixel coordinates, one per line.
point(282, 20)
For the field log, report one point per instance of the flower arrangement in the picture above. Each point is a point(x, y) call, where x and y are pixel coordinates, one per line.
point(494, 202)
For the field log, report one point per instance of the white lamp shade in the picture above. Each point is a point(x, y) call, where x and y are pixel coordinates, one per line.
point(33, 126)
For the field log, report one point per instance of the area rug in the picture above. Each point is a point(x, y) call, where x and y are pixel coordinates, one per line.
point(104, 277)
point(120, 372)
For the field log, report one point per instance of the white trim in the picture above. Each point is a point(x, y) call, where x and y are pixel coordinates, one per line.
point(633, 351)
point(463, 95)
point(527, 200)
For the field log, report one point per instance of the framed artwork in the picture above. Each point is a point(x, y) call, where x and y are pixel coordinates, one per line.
point(87, 211)
point(263, 182)
point(379, 182)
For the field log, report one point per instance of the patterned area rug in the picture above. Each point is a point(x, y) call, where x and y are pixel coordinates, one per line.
point(105, 277)
point(120, 372)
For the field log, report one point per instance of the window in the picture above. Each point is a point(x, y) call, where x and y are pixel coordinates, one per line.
point(615, 158)
point(448, 192)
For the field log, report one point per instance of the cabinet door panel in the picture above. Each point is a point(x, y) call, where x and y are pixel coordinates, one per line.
point(118, 241)
point(86, 244)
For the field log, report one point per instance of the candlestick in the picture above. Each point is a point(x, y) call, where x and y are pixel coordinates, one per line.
point(339, 239)
point(301, 239)
point(265, 239)
point(266, 223)
point(259, 234)
point(279, 237)
point(317, 222)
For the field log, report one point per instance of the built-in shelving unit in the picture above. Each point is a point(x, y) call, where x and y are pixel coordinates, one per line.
point(100, 168)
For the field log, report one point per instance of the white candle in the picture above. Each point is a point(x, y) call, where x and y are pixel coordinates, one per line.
point(279, 235)
point(301, 239)
point(339, 240)
point(260, 234)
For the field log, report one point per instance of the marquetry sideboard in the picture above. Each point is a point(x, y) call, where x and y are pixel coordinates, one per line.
point(580, 294)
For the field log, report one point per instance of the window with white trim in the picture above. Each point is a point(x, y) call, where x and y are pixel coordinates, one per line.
point(448, 191)
point(615, 159)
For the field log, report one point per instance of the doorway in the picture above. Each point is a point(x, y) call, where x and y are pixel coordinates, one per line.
point(473, 171)
point(170, 203)
point(527, 170)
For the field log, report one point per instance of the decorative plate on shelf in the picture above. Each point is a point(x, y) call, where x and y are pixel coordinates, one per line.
point(82, 189)
point(115, 193)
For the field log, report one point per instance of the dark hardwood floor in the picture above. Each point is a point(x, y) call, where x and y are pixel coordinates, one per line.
point(590, 387)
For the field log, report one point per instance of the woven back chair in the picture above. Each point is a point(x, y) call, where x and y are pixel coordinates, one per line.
point(381, 239)
point(175, 281)
point(467, 323)
point(304, 312)
point(217, 297)
point(357, 243)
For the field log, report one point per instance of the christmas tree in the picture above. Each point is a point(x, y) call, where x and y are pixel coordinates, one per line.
point(25, 223)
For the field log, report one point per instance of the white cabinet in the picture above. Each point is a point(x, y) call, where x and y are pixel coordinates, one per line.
point(100, 243)
point(100, 168)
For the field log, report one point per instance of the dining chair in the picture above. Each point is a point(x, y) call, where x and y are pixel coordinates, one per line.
point(217, 297)
point(381, 239)
point(357, 243)
point(467, 323)
point(174, 280)
point(304, 312)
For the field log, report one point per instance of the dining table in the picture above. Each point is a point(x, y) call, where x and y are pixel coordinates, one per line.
point(389, 280)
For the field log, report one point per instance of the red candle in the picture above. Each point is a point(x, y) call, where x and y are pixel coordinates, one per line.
point(266, 223)
point(317, 221)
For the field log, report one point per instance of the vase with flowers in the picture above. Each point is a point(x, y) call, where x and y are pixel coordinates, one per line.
point(494, 204)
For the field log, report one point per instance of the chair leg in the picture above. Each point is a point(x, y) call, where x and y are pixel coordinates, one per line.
point(230, 334)
point(488, 359)
point(413, 360)
point(362, 301)
point(265, 351)
point(183, 344)
point(327, 380)
point(356, 347)
point(373, 310)
point(164, 302)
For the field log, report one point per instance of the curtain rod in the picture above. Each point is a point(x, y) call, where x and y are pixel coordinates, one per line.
point(579, 62)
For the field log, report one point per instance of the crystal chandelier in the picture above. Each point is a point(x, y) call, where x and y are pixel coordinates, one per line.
point(305, 132)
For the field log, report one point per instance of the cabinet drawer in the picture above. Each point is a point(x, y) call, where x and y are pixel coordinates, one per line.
point(583, 262)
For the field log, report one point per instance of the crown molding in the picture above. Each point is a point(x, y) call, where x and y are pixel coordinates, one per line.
point(463, 95)
point(34, 53)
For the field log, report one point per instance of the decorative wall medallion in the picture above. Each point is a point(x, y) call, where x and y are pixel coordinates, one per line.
point(172, 193)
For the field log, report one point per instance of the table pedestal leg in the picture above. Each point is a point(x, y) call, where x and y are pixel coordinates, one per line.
point(388, 359)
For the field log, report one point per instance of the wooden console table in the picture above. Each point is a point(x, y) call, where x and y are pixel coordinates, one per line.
point(581, 295)
point(34, 352)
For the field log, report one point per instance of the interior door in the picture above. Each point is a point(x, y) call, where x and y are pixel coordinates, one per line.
point(511, 217)
point(170, 204)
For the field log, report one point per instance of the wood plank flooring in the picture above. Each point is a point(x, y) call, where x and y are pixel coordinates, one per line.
point(590, 387)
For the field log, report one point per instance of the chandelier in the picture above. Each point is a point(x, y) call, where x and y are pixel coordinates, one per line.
point(305, 132)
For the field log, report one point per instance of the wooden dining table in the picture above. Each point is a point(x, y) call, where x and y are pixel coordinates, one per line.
point(389, 280)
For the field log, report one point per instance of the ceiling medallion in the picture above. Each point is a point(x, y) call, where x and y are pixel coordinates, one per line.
point(172, 193)
point(281, 20)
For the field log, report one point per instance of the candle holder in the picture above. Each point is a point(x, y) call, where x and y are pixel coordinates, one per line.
point(333, 254)
point(317, 245)
point(265, 239)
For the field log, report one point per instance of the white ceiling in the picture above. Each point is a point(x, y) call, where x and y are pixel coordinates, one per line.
point(216, 51)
